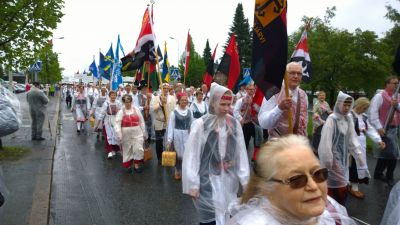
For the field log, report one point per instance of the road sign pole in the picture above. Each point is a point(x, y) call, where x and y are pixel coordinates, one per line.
point(36, 76)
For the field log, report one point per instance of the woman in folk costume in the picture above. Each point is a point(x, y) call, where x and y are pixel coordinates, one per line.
point(108, 112)
point(360, 174)
point(178, 130)
point(198, 106)
point(81, 108)
point(321, 111)
point(215, 160)
point(130, 129)
point(96, 110)
point(338, 139)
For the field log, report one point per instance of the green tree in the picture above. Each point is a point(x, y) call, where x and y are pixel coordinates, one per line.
point(207, 54)
point(25, 27)
point(51, 71)
point(243, 34)
point(196, 67)
point(391, 39)
point(342, 60)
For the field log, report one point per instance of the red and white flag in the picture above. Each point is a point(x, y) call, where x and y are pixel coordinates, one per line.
point(187, 54)
point(146, 33)
point(300, 54)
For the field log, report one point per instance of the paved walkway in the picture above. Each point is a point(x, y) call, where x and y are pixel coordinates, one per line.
point(88, 189)
point(28, 179)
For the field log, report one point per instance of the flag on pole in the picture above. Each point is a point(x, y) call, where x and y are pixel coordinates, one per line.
point(208, 75)
point(187, 55)
point(269, 56)
point(145, 47)
point(165, 74)
point(101, 65)
point(116, 75)
point(93, 69)
point(230, 64)
point(108, 63)
point(301, 55)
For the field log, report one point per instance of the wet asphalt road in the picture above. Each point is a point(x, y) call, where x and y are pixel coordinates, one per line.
point(89, 189)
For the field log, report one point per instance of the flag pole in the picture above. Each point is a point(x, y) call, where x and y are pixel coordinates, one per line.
point(93, 74)
point(161, 84)
point(290, 122)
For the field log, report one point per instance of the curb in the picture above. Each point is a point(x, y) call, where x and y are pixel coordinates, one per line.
point(42, 194)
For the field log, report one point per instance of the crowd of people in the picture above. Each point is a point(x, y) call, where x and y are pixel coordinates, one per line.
point(294, 180)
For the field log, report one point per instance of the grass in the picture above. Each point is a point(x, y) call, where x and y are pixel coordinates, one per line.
point(12, 153)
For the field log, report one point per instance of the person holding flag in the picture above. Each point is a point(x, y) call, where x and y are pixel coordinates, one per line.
point(274, 114)
point(162, 105)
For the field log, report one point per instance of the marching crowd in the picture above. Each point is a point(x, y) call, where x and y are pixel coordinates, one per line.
point(293, 180)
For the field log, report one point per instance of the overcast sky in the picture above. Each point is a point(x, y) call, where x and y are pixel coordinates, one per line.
point(90, 25)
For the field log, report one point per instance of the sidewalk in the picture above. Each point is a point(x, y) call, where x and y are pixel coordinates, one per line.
point(28, 180)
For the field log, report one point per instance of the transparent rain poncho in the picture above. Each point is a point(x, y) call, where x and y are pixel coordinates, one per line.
point(215, 161)
point(260, 211)
point(10, 116)
point(338, 139)
point(392, 211)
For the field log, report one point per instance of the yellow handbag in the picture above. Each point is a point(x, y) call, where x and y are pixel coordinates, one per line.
point(168, 158)
point(92, 121)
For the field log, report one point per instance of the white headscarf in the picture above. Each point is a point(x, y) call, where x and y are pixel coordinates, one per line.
point(216, 92)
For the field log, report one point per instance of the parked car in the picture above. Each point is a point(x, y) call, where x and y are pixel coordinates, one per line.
point(18, 88)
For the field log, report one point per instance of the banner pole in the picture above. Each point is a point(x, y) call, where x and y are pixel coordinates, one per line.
point(290, 114)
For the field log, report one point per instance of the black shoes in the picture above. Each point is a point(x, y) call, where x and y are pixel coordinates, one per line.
point(138, 170)
point(38, 139)
point(380, 177)
point(390, 182)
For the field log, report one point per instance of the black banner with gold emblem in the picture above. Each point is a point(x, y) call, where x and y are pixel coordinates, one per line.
point(270, 43)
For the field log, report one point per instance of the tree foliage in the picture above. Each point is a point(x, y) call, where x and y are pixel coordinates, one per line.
point(241, 28)
point(25, 27)
point(342, 60)
point(207, 54)
point(51, 71)
point(391, 39)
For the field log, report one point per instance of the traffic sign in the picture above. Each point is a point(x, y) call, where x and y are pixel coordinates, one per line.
point(175, 74)
point(36, 67)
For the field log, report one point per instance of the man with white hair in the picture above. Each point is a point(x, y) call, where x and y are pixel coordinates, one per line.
point(273, 114)
point(245, 112)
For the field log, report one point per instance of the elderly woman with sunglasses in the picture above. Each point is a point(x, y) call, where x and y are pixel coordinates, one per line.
point(288, 187)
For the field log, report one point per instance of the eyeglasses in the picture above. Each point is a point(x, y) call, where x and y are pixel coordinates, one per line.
point(300, 181)
point(294, 73)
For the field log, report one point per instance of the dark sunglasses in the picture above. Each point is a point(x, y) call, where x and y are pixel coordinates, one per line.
point(300, 181)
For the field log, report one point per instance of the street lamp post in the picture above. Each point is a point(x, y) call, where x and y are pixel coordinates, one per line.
point(177, 65)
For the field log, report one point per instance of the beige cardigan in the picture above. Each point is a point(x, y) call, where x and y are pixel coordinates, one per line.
point(160, 122)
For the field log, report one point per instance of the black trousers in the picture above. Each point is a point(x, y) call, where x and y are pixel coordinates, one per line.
point(388, 164)
point(159, 143)
point(248, 132)
point(210, 223)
